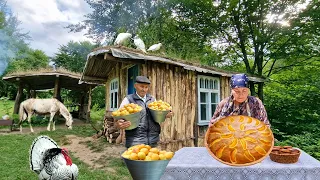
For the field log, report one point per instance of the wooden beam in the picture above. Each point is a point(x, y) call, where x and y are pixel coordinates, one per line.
point(94, 79)
point(33, 93)
point(18, 98)
point(89, 104)
point(109, 57)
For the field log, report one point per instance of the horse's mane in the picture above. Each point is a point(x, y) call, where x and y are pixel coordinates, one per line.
point(63, 109)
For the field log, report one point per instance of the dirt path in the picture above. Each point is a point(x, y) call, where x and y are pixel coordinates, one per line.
point(93, 152)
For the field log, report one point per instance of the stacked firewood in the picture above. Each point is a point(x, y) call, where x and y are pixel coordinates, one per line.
point(111, 132)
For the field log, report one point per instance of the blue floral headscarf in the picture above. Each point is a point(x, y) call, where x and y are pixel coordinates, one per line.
point(239, 80)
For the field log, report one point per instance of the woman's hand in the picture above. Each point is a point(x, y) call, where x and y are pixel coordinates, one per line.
point(123, 124)
point(169, 115)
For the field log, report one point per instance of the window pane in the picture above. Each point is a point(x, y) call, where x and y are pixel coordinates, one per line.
point(116, 85)
point(203, 97)
point(213, 108)
point(201, 83)
point(115, 99)
point(215, 84)
point(211, 84)
point(203, 109)
point(111, 100)
point(206, 84)
point(214, 98)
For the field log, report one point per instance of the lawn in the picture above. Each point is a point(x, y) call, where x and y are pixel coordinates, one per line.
point(6, 107)
point(14, 149)
point(15, 156)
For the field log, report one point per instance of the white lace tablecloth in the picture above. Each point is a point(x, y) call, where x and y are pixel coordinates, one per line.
point(196, 163)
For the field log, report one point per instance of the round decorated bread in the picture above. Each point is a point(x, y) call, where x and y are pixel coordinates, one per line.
point(239, 140)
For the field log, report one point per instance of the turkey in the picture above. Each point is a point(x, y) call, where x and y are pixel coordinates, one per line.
point(155, 47)
point(121, 38)
point(139, 43)
point(51, 162)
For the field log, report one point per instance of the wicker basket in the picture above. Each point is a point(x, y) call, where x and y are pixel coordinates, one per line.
point(286, 158)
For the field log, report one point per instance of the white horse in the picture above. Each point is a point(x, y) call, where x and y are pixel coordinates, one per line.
point(43, 107)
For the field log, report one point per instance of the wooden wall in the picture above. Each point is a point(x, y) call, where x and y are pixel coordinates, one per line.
point(176, 86)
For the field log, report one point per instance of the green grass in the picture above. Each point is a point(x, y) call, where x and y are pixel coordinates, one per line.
point(14, 157)
point(6, 107)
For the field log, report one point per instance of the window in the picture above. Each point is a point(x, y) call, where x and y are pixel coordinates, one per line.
point(208, 98)
point(114, 86)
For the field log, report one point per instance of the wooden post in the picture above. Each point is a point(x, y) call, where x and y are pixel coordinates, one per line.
point(57, 89)
point(89, 104)
point(28, 96)
point(33, 93)
point(18, 97)
point(80, 108)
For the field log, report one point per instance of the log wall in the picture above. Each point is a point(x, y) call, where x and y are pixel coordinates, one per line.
point(178, 87)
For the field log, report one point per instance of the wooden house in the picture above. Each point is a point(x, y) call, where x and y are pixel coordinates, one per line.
point(192, 89)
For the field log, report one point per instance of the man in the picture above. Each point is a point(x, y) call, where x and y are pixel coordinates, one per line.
point(148, 130)
point(240, 103)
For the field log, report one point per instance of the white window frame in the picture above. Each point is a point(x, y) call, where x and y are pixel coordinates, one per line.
point(209, 88)
point(112, 93)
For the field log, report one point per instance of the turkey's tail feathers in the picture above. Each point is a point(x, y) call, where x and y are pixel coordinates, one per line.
point(37, 151)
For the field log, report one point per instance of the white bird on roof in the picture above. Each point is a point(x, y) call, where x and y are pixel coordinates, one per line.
point(155, 47)
point(121, 38)
point(139, 43)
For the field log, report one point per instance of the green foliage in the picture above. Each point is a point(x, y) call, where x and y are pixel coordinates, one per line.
point(73, 56)
point(98, 97)
point(6, 106)
point(28, 59)
point(292, 99)
point(308, 142)
point(112, 16)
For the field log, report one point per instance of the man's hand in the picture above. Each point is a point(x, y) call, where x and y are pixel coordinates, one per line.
point(169, 115)
point(123, 124)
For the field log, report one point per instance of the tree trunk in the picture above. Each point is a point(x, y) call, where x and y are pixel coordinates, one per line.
point(260, 91)
point(18, 98)
point(252, 89)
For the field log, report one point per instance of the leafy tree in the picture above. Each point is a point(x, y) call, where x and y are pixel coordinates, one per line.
point(111, 16)
point(293, 100)
point(242, 32)
point(73, 56)
point(28, 60)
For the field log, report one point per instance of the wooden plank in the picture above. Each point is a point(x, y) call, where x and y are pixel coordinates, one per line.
point(188, 108)
point(194, 109)
point(184, 100)
point(153, 81)
point(178, 102)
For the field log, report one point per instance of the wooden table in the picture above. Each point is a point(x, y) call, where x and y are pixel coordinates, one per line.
point(195, 163)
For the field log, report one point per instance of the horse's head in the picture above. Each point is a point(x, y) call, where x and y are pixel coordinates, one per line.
point(69, 121)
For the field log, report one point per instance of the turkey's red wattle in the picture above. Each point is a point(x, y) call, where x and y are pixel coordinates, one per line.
point(67, 157)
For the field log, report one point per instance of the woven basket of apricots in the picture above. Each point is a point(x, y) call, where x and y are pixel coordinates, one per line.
point(159, 110)
point(129, 112)
point(239, 140)
point(146, 163)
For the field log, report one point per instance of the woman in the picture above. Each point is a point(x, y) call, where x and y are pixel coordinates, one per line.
point(239, 103)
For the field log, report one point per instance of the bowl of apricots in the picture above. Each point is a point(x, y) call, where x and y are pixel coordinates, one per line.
point(129, 112)
point(145, 162)
point(159, 110)
point(239, 140)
